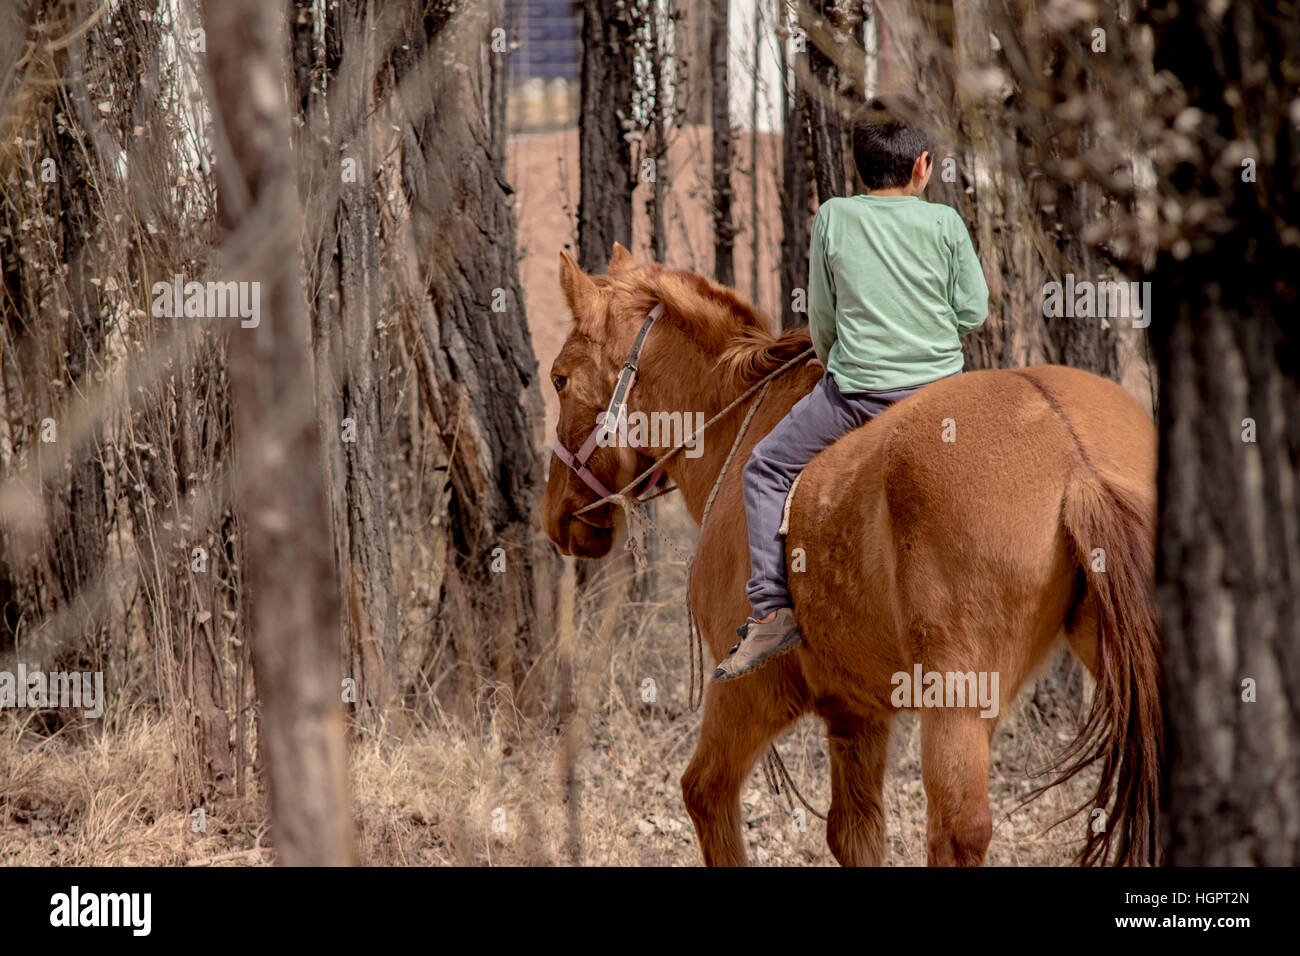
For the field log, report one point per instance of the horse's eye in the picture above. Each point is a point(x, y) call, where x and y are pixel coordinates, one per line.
point(559, 381)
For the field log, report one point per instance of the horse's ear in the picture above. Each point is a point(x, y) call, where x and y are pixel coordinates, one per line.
point(620, 260)
point(577, 285)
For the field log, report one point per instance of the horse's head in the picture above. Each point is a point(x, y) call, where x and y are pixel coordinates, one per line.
point(584, 375)
point(693, 343)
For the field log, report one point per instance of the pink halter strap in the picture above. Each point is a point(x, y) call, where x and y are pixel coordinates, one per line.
point(613, 421)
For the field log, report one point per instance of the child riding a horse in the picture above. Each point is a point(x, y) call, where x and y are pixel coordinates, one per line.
point(893, 282)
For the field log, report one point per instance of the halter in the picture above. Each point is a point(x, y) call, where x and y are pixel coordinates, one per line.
point(615, 422)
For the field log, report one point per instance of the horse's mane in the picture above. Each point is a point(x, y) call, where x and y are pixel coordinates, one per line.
point(721, 320)
point(750, 356)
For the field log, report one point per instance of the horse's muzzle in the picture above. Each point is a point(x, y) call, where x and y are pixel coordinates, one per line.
point(589, 539)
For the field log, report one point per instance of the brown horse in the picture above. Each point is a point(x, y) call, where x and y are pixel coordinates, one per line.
point(964, 531)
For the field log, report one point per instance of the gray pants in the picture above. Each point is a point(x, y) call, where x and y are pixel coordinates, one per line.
point(816, 420)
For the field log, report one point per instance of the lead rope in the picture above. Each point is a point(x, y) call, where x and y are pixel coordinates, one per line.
point(693, 635)
point(777, 772)
point(774, 768)
point(695, 436)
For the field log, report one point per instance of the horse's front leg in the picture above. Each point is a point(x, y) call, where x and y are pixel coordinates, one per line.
point(855, 824)
point(740, 719)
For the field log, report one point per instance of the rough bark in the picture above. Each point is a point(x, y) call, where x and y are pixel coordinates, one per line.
point(724, 228)
point(280, 485)
point(606, 176)
point(965, 138)
point(1065, 207)
point(350, 358)
point(53, 339)
point(826, 128)
point(478, 372)
point(1228, 566)
point(694, 32)
point(606, 172)
point(661, 120)
point(755, 211)
point(796, 174)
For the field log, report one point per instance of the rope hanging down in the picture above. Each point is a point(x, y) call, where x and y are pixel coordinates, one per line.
point(640, 524)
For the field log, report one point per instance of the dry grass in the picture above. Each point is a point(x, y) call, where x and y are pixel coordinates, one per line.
point(109, 800)
point(433, 797)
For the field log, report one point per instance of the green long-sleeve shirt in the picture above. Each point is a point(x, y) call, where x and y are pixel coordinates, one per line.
point(893, 281)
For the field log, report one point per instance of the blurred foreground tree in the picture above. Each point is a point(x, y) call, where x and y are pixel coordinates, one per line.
point(294, 600)
point(1224, 328)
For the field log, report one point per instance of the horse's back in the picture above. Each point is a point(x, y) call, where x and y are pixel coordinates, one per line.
point(1000, 430)
point(945, 512)
point(987, 441)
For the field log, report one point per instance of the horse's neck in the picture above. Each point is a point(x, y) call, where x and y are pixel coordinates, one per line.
point(696, 477)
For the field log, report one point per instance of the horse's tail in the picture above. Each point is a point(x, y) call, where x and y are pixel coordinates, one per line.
point(1111, 533)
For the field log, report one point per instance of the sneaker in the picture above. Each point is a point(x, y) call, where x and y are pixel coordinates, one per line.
point(760, 642)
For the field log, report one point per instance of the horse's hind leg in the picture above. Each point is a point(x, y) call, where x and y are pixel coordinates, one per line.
point(955, 771)
point(740, 719)
point(855, 825)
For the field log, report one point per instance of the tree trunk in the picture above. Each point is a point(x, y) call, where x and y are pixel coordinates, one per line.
point(755, 213)
point(290, 566)
point(351, 359)
point(695, 28)
point(606, 174)
point(796, 173)
point(478, 373)
point(826, 129)
point(75, 499)
point(52, 344)
point(606, 177)
point(724, 229)
point(661, 120)
point(1066, 207)
point(1228, 567)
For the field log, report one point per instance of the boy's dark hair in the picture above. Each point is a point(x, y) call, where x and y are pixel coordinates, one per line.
point(889, 133)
